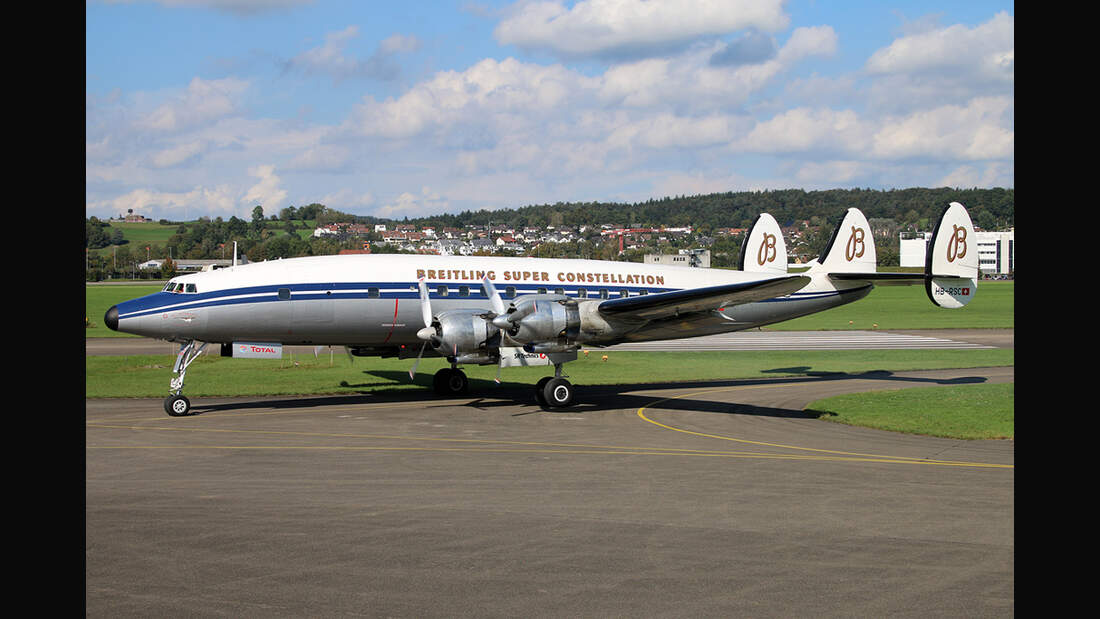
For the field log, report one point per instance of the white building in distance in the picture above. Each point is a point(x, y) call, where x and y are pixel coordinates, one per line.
point(996, 251)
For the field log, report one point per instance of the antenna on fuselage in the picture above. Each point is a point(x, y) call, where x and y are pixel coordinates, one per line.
point(234, 253)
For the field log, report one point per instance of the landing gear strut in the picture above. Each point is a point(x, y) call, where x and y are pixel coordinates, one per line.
point(177, 405)
point(450, 382)
point(554, 391)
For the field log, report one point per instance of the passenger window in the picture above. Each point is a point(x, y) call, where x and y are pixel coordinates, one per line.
point(510, 292)
point(542, 291)
point(373, 293)
point(284, 294)
point(623, 293)
point(582, 293)
point(559, 291)
point(463, 291)
point(643, 291)
point(442, 290)
point(603, 293)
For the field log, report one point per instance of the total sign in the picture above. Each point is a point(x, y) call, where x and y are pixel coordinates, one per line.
point(257, 350)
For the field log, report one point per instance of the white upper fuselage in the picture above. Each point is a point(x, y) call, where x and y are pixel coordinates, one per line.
point(373, 300)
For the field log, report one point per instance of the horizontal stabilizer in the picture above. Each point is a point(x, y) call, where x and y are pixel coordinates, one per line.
point(881, 279)
point(654, 306)
point(764, 250)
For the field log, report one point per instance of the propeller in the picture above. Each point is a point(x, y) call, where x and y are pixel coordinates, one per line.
point(494, 296)
point(498, 310)
point(428, 332)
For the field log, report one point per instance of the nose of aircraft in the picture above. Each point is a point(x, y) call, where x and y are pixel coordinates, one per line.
point(111, 318)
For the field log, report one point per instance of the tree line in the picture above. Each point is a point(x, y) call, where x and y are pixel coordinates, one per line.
point(277, 235)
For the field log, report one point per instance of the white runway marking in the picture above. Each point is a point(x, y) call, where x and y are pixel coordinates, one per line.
point(801, 340)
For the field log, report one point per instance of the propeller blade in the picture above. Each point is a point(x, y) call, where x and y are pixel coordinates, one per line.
point(494, 296)
point(351, 358)
point(497, 379)
point(425, 304)
point(412, 372)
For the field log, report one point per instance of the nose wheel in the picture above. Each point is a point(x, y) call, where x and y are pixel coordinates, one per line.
point(176, 404)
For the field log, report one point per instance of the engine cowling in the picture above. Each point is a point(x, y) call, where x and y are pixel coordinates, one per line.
point(466, 335)
point(546, 321)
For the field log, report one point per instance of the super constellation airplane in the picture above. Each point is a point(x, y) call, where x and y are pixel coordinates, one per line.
point(407, 305)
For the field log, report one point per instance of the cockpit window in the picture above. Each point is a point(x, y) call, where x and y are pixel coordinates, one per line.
point(190, 288)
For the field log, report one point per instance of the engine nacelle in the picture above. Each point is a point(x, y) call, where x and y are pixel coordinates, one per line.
point(542, 319)
point(466, 334)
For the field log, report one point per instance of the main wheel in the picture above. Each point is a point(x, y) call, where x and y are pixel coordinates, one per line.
point(539, 396)
point(450, 382)
point(558, 392)
point(177, 405)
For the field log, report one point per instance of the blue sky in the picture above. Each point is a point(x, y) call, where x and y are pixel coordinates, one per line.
point(210, 107)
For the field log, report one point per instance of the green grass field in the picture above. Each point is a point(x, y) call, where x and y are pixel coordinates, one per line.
point(966, 411)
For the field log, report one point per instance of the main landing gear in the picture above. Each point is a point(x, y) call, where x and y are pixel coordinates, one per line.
point(450, 382)
point(176, 404)
point(551, 391)
point(554, 391)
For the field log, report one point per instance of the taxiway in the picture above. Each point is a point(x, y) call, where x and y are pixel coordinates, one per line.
point(710, 499)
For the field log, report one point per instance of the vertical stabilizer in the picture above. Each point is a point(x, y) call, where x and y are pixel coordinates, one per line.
point(851, 248)
point(951, 264)
point(764, 250)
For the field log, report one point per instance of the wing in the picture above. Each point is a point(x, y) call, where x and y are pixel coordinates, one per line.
point(677, 302)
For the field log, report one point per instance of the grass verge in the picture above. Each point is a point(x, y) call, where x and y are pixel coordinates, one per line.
point(965, 411)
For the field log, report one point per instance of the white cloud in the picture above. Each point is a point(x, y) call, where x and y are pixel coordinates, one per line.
point(266, 193)
point(944, 65)
point(980, 130)
point(239, 7)
point(489, 92)
point(692, 81)
point(428, 202)
point(332, 59)
point(804, 131)
point(179, 154)
point(632, 27)
point(202, 102)
point(986, 51)
point(200, 201)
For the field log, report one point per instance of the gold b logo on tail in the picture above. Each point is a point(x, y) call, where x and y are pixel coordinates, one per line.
point(855, 246)
point(956, 246)
point(766, 253)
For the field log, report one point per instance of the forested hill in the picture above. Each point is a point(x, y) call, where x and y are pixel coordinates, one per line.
point(916, 208)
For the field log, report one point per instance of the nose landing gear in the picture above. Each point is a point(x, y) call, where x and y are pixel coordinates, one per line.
point(176, 404)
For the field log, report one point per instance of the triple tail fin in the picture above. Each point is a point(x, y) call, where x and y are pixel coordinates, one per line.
point(763, 250)
point(851, 250)
point(951, 261)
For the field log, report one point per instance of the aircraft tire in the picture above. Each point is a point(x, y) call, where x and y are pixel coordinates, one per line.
point(450, 382)
point(558, 393)
point(539, 395)
point(177, 406)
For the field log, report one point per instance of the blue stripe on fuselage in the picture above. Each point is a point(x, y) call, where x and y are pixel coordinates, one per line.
point(172, 301)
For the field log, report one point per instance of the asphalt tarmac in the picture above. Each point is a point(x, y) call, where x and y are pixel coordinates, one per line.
point(686, 500)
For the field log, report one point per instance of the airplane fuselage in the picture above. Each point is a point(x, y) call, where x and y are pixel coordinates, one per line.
point(373, 301)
